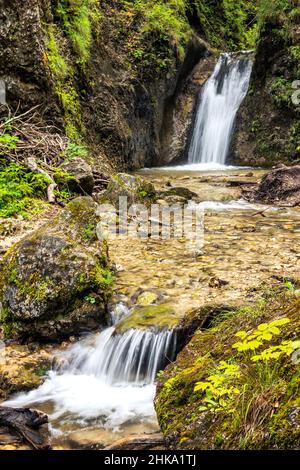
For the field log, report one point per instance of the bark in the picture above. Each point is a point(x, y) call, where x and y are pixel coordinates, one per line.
point(27, 424)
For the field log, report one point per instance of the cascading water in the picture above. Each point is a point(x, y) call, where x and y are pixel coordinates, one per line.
point(108, 377)
point(220, 100)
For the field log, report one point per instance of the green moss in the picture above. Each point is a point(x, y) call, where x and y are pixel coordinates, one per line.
point(156, 316)
point(78, 19)
point(90, 232)
point(63, 74)
point(20, 190)
point(57, 63)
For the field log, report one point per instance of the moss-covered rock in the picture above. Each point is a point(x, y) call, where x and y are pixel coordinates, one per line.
point(81, 178)
point(150, 316)
point(134, 188)
point(268, 120)
point(22, 368)
point(49, 277)
point(253, 404)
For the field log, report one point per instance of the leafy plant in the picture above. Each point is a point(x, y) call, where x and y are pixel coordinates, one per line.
point(19, 190)
point(264, 332)
point(90, 299)
point(219, 388)
point(74, 150)
point(8, 142)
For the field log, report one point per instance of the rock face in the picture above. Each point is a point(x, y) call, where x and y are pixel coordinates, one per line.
point(280, 186)
point(268, 120)
point(105, 93)
point(180, 113)
point(55, 281)
point(83, 180)
point(22, 55)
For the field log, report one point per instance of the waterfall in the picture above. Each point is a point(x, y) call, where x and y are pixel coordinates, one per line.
point(220, 100)
point(106, 376)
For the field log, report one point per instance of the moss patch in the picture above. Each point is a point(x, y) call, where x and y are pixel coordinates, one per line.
point(151, 316)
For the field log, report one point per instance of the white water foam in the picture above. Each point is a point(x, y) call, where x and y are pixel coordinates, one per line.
point(108, 377)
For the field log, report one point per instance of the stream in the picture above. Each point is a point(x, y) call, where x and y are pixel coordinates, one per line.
point(102, 387)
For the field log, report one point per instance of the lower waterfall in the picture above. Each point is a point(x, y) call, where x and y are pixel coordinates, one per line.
point(106, 376)
point(220, 100)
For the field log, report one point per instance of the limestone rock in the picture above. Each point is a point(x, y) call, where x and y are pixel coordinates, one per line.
point(133, 187)
point(83, 180)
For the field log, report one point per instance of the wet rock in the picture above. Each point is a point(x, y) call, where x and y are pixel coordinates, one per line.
point(147, 298)
point(280, 186)
point(22, 368)
point(83, 179)
point(133, 187)
point(54, 282)
point(218, 283)
point(178, 193)
point(150, 316)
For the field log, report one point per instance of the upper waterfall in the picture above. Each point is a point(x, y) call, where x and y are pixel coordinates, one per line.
point(220, 100)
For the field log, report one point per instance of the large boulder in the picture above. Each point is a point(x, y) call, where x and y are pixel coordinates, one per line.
point(133, 187)
point(55, 281)
point(280, 186)
point(82, 180)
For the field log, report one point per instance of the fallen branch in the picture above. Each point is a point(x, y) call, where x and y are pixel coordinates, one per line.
point(26, 423)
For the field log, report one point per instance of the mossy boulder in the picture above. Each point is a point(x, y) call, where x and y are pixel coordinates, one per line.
point(82, 179)
point(133, 187)
point(178, 195)
point(168, 316)
point(55, 281)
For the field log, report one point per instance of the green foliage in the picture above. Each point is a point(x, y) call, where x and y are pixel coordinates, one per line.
point(74, 150)
point(163, 32)
point(227, 24)
point(78, 18)
point(220, 392)
point(282, 92)
point(220, 388)
point(272, 8)
point(63, 74)
point(285, 348)
point(8, 142)
point(19, 189)
point(90, 232)
point(264, 332)
point(90, 299)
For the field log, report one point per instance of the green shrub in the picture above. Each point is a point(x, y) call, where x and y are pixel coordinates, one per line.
point(20, 189)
